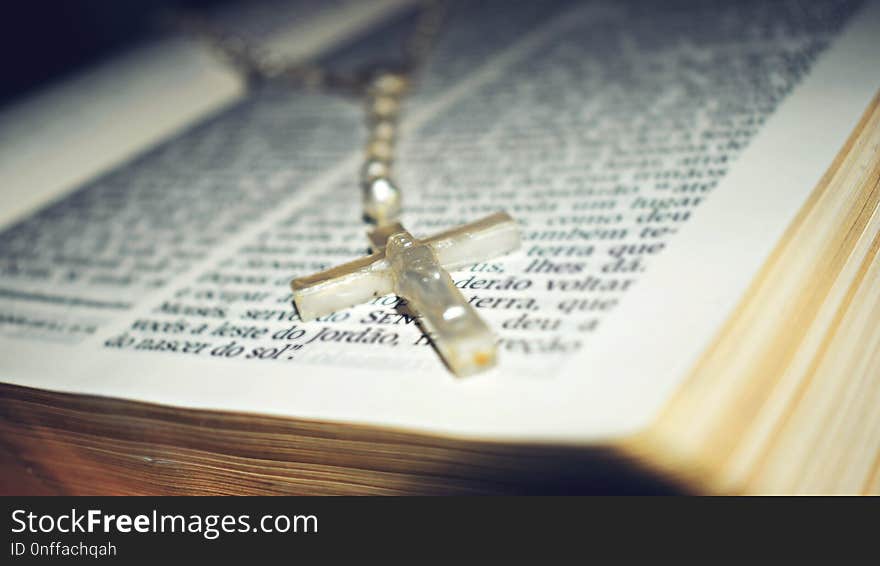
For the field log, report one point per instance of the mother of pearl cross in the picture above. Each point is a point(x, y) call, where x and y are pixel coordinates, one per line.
point(417, 270)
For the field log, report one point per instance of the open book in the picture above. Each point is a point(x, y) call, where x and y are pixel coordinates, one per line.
point(695, 305)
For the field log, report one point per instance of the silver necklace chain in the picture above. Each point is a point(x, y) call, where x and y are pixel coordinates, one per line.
point(382, 86)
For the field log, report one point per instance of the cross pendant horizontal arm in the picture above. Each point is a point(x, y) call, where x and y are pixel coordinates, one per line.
point(364, 279)
point(417, 271)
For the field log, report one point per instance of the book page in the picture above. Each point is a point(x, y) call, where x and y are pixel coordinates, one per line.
point(652, 155)
point(64, 136)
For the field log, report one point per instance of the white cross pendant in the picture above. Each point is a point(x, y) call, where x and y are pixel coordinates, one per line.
point(417, 270)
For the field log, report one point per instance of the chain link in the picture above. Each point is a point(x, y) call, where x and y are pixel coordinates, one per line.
point(382, 86)
point(259, 64)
